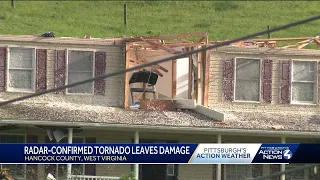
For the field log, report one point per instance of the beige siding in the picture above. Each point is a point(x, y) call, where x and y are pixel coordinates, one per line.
point(115, 61)
point(51, 55)
point(217, 58)
point(195, 172)
point(115, 85)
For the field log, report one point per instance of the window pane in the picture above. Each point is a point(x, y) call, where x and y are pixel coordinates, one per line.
point(297, 175)
point(62, 171)
point(15, 170)
point(303, 92)
point(247, 69)
point(170, 169)
point(12, 139)
point(21, 58)
point(20, 79)
point(80, 61)
point(247, 90)
point(76, 77)
point(237, 172)
point(303, 71)
point(76, 169)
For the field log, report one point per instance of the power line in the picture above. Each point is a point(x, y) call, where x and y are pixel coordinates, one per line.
point(186, 54)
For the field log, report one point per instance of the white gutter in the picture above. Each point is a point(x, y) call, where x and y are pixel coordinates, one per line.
point(162, 128)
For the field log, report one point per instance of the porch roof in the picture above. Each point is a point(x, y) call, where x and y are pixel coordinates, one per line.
point(69, 114)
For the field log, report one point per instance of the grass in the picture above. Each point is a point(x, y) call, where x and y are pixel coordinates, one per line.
point(222, 19)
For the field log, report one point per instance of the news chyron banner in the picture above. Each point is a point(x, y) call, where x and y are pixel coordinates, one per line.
point(159, 153)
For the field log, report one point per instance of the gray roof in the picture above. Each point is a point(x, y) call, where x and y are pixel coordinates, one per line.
point(237, 119)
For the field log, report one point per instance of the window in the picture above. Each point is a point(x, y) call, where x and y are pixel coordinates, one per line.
point(76, 169)
point(236, 172)
point(303, 81)
point(247, 79)
point(61, 169)
point(80, 67)
point(15, 170)
point(21, 69)
point(297, 175)
point(170, 169)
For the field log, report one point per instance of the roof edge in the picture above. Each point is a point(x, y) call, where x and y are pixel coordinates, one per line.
point(194, 130)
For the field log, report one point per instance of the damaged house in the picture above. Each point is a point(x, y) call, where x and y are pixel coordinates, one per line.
point(242, 93)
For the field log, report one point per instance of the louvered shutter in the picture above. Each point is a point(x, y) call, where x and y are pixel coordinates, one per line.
point(32, 169)
point(228, 79)
point(90, 169)
point(41, 56)
point(3, 55)
point(266, 79)
point(285, 81)
point(60, 69)
point(100, 69)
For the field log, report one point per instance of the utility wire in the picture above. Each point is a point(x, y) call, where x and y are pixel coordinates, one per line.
point(186, 54)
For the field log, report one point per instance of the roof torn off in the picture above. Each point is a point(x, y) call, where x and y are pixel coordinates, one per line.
point(282, 43)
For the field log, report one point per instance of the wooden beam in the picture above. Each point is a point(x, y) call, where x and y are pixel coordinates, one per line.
point(304, 45)
point(174, 78)
point(143, 60)
point(181, 35)
point(317, 41)
point(157, 72)
point(203, 38)
point(207, 38)
point(161, 46)
point(199, 79)
point(289, 46)
point(126, 87)
point(190, 74)
point(162, 68)
point(206, 80)
point(283, 39)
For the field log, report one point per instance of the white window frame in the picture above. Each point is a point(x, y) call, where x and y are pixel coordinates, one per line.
point(34, 71)
point(67, 69)
point(235, 79)
point(57, 165)
point(168, 166)
point(24, 165)
point(315, 95)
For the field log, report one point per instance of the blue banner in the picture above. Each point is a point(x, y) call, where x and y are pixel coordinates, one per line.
point(158, 153)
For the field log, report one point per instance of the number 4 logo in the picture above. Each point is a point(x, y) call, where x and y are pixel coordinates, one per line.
point(287, 154)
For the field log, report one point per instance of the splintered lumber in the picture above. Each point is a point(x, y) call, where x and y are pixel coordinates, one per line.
point(172, 36)
point(161, 46)
point(317, 41)
point(284, 39)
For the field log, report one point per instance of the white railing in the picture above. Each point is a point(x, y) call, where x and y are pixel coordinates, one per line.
point(86, 177)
